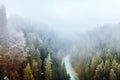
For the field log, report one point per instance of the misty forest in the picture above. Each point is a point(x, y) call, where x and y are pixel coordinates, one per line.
point(32, 51)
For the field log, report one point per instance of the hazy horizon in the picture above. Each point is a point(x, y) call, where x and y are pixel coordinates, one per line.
point(67, 16)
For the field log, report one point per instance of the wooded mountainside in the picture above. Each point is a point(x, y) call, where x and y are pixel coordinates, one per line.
point(30, 51)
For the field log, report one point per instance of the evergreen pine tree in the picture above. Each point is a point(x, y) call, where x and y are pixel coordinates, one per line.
point(118, 72)
point(112, 75)
point(95, 62)
point(99, 72)
point(28, 73)
point(48, 69)
point(106, 69)
point(114, 65)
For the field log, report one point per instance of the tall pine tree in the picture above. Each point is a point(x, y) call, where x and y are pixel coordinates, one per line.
point(48, 69)
point(28, 73)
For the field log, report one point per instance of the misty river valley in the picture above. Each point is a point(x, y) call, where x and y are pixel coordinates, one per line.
point(34, 50)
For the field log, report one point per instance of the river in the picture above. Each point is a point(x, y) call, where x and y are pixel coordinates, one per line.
point(69, 69)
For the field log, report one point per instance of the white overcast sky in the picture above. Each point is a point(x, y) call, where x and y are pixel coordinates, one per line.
point(67, 16)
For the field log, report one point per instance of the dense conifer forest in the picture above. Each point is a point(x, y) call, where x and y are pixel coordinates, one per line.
point(31, 53)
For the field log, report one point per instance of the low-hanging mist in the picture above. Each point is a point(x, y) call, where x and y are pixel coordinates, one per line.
point(40, 50)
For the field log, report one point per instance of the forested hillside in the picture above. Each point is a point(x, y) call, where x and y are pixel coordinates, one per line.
point(27, 53)
point(32, 51)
